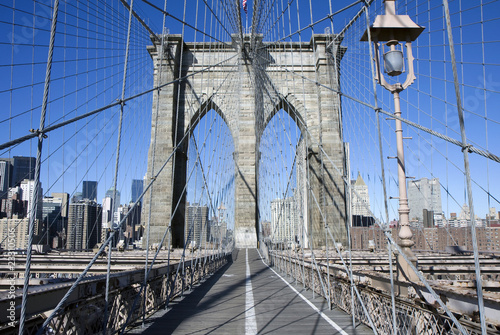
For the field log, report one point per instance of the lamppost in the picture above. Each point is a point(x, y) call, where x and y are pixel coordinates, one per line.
point(394, 29)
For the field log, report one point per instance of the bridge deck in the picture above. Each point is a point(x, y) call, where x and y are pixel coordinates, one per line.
point(230, 303)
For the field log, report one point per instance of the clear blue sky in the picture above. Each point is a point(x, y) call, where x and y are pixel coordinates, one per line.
point(90, 52)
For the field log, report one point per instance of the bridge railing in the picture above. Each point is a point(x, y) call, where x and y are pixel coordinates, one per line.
point(415, 312)
point(83, 311)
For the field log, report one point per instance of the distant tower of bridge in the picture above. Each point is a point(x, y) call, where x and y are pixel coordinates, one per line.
point(261, 91)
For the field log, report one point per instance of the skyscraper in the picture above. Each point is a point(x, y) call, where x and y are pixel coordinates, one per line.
point(107, 208)
point(360, 198)
point(5, 176)
point(84, 225)
point(64, 199)
point(196, 228)
point(13, 206)
point(23, 168)
point(133, 221)
point(53, 221)
point(16, 230)
point(28, 187)
point(77, 196)
point(284, 220)
point(109, 193)
point(137, 188)
point(89, 190)
point(425, 194)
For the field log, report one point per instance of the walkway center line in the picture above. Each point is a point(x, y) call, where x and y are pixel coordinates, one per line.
point(323, 315)
point(250, 322)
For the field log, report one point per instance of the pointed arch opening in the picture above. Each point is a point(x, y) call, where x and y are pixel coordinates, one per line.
point(210, 187)
point(281, 177)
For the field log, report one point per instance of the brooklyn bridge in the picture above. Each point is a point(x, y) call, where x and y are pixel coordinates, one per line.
point(249, 167)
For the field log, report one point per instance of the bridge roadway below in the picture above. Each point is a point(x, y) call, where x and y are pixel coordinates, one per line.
point(248, 297)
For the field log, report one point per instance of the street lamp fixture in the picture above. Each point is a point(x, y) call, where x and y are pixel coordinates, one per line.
point(396, 29)
point(394, 59)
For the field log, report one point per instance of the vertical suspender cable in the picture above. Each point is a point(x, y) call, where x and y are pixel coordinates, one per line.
point(113, 205)
point(34, 200)
point(122, 105)
point(479, 284)
point(106, 294)
point(306, 137)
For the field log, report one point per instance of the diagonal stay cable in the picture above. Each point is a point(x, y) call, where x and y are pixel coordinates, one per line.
point(335, 244)
point(150, 267)
point(329, 16)
point(185, 23)
point(393, 242)
point(232, 19)
point(470, 148)
point(37, 188)
point(216, 17)
point(98, 110)
point(355, 18)
point(278, 19)
point(75, 284)
point(188, 132)
point(99, 252)
point(389, 237)
point(141, 21)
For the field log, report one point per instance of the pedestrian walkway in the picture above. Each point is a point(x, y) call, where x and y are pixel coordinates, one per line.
point(247, 297)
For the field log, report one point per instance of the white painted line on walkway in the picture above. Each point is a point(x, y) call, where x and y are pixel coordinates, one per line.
point(250, 322)
point(323, 315)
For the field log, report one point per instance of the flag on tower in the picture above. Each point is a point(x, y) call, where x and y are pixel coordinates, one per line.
point(245, 8)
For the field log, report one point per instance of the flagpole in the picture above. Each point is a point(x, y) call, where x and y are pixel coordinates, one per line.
point(245, 8)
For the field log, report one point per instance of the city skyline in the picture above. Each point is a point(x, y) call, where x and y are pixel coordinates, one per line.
point(249, 123)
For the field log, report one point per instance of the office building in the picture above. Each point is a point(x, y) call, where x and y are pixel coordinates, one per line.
point(64, 199)
point(54, 215)
point(360, 198)
point(218, 225)
point(132, 221)
point(28, 190)
point(89, 190)
point(118, 216)
point(137, 188)
point(16, 231)
point(284, 221)
point(109, 194)
point(77, 197)
point(493, 214)
point(464, 218)
point(432, 239)
point(425, 194)
point(107, 208)
point(5, 176)
point(196, 228)
point(13, 207)
point(22, 168)
point(84, 225)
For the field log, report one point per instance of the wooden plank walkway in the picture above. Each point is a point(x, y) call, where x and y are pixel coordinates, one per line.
point(232, 302)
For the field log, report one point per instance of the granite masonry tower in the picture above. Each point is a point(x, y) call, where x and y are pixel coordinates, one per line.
point(247, 82)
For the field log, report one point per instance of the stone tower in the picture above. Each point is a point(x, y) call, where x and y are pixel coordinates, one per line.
point(193, 76)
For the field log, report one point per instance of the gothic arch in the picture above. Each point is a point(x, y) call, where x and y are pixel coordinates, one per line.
point(247, 113)
point(291, 109)
point(204, 108)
